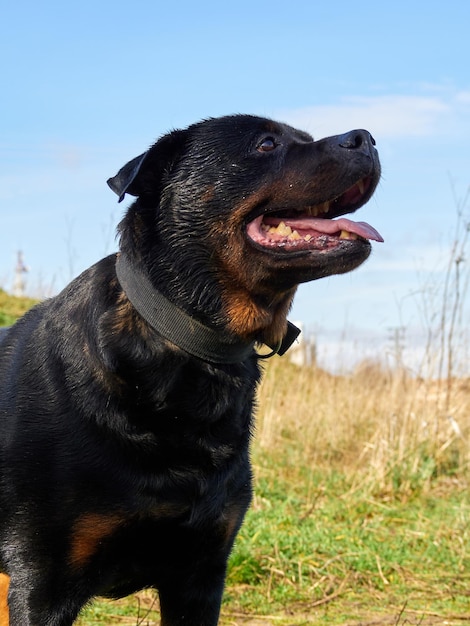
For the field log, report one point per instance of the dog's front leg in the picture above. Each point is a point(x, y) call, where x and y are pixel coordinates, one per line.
point(192, 602)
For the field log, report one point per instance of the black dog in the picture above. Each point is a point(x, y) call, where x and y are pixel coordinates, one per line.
point(126, 401)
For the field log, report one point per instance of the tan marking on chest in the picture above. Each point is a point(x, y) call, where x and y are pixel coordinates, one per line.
point(89, 532)
point(247, 318)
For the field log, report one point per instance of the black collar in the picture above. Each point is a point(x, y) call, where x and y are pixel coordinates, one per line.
point(180, 328)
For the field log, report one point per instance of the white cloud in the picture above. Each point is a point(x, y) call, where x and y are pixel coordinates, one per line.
point(388, 116)
point(463, 97)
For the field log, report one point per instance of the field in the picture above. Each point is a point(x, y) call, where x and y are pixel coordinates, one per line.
point(361, 513)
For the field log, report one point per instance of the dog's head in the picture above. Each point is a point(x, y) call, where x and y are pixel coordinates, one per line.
point(233, 213)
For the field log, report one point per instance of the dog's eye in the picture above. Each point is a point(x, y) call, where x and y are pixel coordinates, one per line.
point(266, 145)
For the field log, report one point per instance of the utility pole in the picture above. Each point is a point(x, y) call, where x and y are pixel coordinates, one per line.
point(397, 339)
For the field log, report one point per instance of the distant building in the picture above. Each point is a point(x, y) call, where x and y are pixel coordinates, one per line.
point(303, 351)
point(19, 282)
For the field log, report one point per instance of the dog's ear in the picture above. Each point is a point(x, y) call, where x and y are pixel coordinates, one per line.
point(122, 182)
point(144, 173)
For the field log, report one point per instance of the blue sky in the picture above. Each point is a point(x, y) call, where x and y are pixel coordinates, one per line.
point(87, 86)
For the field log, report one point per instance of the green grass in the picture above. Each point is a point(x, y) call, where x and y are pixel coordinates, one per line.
point(139, 609)
point(12, 308)
point(311, 543)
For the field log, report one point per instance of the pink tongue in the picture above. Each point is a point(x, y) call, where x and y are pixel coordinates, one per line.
point(330, 227)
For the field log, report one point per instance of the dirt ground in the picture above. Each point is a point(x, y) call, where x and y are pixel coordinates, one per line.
point(390, 620)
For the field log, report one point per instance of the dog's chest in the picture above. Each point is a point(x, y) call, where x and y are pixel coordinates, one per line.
point(185, 514)
point(184, 475)
point(196, 407)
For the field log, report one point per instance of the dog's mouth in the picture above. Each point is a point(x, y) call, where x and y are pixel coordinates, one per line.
point(318, 227)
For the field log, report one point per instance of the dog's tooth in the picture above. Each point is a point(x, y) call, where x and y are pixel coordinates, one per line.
point(294, 236)
point(325, 207)
point(347, 235)
point(307, 237)
point(281, 229)
point(284, 230)
point(315, 210)
point(361, 186)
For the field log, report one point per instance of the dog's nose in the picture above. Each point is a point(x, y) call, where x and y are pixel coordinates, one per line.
point(356, 140)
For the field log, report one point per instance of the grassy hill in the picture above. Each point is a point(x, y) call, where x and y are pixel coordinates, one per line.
point(11, 308)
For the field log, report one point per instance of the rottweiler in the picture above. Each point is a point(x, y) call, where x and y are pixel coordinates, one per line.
point(126, 400)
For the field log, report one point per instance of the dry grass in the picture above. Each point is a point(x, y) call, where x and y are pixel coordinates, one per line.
point(387, 431)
